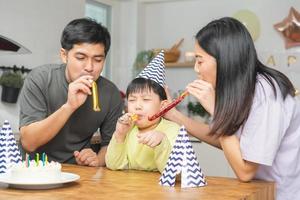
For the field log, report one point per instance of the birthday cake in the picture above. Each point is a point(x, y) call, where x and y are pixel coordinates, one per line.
point(36, 172)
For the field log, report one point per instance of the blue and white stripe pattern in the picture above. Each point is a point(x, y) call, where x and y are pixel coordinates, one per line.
point(9, 151)
point(183, 160)
point(155, 70)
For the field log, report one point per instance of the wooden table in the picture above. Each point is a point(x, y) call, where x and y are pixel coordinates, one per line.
point(101, 183)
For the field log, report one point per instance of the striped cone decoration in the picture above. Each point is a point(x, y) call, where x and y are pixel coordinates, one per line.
point(9, 153)
point(155, 70)
point(183, 160)
point(2, 152)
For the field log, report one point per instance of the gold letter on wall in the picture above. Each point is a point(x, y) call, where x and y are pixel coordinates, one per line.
point(291, 60)
point(271, 61)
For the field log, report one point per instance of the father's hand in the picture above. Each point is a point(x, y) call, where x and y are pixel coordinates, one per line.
point(87, 157)
point(78, 91)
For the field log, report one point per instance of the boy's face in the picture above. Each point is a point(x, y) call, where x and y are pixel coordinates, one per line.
point(83, 59)
point(144, 104)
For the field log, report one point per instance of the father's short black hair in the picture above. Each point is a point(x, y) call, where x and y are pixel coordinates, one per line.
point(85, 30)
point(142, 84)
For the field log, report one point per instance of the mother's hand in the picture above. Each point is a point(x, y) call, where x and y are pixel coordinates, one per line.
point(205, 93)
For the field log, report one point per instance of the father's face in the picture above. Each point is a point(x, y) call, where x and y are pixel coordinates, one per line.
point(83, 59)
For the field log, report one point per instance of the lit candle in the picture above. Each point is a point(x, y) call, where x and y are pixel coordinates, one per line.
point(28, 160)
point(37, 159)
point(43, 158)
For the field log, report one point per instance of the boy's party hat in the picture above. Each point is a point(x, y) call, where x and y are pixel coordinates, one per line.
point(9, 151)
point(183, 160)
point(155, 70)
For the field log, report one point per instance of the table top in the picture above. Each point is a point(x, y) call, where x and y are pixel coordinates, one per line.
point(102, 183)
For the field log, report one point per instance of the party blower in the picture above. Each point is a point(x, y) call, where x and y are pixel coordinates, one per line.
point(96, 106)
point(169, 106)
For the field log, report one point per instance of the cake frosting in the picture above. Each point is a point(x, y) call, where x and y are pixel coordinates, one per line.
point(36, 173)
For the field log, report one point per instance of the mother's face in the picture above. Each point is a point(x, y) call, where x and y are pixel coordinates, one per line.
point(205, 66)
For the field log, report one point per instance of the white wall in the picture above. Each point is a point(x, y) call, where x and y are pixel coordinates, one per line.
point(125, 42)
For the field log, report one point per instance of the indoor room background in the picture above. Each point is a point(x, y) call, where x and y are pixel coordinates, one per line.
point(138, 25)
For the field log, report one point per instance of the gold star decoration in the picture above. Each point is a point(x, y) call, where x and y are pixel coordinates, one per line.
point(290, 28)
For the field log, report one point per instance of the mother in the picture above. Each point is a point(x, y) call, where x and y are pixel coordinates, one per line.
point(256, 118)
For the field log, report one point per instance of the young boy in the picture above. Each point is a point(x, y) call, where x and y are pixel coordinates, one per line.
point(138, 143)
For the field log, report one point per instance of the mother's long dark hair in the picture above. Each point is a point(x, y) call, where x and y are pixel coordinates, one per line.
point(229, 42)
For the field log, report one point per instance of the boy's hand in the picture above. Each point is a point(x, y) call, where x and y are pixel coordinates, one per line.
point(151, 138)
point(124, 124)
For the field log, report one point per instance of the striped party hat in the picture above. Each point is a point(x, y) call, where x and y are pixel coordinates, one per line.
point(155, 70)
point(9, 151)
point(182, 160)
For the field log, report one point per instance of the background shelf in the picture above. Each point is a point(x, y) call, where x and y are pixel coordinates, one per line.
point(180, 64)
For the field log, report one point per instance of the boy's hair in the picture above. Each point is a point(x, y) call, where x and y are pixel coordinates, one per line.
point(85, 30)
point(142, 84)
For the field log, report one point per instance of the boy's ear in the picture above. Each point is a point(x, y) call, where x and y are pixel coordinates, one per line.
point(63, 55)
point(163, 103)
